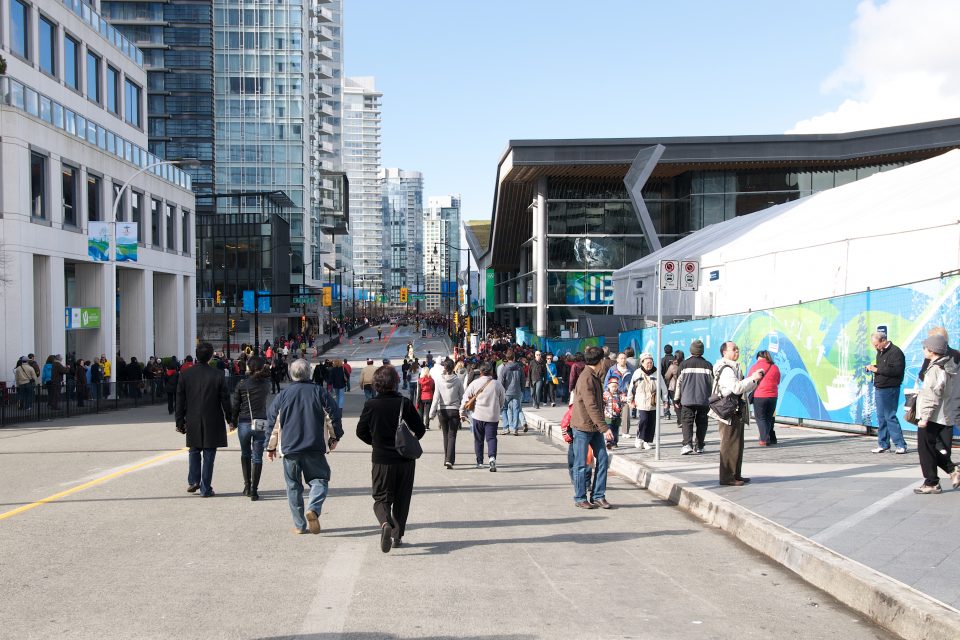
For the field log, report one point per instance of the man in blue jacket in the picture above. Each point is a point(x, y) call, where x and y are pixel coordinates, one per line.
point(303, 443)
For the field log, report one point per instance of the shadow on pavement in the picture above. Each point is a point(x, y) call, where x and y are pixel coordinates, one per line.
point(434, 548)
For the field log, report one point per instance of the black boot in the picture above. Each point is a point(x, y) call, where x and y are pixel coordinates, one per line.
point(245, 467)
point(257, 468)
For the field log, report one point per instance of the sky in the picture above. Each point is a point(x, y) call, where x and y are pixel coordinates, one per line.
point(460, 78)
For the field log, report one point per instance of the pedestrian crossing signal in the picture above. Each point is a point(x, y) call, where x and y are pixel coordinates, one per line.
point(404, 295)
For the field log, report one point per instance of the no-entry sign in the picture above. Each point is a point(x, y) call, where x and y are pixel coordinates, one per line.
point(689, 275)
point(669, 274)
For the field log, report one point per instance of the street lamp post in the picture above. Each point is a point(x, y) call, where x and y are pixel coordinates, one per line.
point(117, 196)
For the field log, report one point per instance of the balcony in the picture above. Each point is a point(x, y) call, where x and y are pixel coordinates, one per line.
point(323, 91)
point(325, 128)
point(324, 33)
point(326, 110)
point(321, 71)
point(320, 52)
point(325, 147)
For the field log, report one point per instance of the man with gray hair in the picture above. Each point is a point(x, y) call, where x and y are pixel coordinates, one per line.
point(302, 444)
point(887, 379)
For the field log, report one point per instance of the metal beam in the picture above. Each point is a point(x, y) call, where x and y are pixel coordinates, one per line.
point(643, 165)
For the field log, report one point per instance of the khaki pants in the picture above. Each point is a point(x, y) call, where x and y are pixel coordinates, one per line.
point(731, 450)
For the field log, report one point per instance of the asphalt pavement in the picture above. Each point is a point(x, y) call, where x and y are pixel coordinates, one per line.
point(100, 540)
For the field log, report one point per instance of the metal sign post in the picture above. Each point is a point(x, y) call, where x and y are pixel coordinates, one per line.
point(668, 277)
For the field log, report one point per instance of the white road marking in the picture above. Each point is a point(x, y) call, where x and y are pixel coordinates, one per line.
point(328, 611)
point(856, 518)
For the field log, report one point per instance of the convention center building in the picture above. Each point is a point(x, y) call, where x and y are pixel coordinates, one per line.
point(568, 213)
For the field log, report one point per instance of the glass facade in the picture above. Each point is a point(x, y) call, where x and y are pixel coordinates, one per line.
point(47, 46)
point(402, 197)
point(361, 162)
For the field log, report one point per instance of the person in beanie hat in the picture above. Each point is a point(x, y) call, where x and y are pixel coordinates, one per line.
point(939, 384)
point(692, 398)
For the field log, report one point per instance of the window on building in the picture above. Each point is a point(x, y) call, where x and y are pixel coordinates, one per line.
point(136, 213)
point(69, 178)
point(94, 199)
point(131, 103)
point(171, 230)
point(155, 223)
point(121, 206)
point(20, 29)
point(185, 233)
point(113, 90)
point(71, 63)
point(38, 185)
point(93, 77)
point(47, 45)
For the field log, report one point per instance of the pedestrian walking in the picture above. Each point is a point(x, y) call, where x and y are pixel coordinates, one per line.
point(482, 403)
point(171, 377)
point(537, 374)
point(25, 377)
point(366, 379)
point(946, 435)
point(613, 409)
point(691, 397)
point(765, 397)
point(665, 361)
point(203, 407)
point(510, 376)
point(642, 397)
point(590, 431)
point(935, 402)
point(425, 388)
point(446, 408)
point(670, 379)
point(338, 380)
point(249, 413)
point(297, 416)
point(392, 474)
point(551, 382)
point(729, 381)
point(887, 380)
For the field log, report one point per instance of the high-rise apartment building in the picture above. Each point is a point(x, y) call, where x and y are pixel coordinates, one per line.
point(361, 162)
point(441, 250)
point(250, 92)
point(402, 197)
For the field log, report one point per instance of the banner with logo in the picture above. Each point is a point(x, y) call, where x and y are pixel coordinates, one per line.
point(127, 242)
point(98, 241)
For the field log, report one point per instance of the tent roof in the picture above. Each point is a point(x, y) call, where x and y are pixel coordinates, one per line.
point(920, 195)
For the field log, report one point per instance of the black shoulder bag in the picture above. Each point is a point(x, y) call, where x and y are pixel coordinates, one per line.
point(726, 407)
point(405, 442)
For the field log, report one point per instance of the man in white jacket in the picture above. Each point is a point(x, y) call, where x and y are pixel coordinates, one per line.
point(490, 396)
point(730, 380)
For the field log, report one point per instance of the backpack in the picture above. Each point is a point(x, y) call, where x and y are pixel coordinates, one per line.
point(46, 374)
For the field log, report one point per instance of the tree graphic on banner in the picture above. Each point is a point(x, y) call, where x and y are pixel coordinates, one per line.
point(861, 358)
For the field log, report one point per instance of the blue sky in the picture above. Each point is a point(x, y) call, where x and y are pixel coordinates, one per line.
point(462, 78)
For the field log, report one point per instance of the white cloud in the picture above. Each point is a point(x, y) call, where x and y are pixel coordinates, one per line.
point(902, 66)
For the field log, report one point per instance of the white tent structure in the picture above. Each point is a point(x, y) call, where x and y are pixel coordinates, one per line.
point(891, 228)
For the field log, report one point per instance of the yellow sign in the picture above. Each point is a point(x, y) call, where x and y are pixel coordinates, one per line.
point(456, 319)
point(403, 295)
point(466, 324)
point(327, 299)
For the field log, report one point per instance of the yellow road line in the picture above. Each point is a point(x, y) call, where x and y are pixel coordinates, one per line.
point(92, 483)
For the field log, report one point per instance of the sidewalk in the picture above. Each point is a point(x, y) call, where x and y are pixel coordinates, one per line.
point(821, 504)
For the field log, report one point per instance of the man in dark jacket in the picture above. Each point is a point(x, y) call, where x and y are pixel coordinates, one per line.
point(692, 396)
point(303, 443)
point(510, 376)
point(537, 374)
point(589, 431)
point(887, 378)
point(203, 407)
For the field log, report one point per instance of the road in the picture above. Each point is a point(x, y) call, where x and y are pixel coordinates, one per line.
point(128, 553)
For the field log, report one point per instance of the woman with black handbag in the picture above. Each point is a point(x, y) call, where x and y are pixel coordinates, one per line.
point(249, 410)
point(392, 472)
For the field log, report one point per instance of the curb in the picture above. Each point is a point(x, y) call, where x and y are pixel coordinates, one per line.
point(891, 604)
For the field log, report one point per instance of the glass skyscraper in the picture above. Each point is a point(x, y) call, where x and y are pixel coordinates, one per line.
point(402, 196)
point(441, 249)
point(361, 161)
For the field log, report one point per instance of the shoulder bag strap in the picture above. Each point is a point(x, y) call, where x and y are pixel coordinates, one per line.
point(249, 406)
point(400, 418)
point(716, 380)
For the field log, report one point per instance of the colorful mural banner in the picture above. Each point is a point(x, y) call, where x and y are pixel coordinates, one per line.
point(98, 241)
point(822, 347)
point(557, 345)
point(127, 242)
point(585, 288)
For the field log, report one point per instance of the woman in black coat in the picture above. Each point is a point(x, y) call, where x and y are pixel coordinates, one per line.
point(392, 473)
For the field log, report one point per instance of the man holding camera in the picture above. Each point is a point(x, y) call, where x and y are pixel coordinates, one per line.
point(730, 381)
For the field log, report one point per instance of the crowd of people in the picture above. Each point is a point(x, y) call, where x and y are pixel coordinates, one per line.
point(606, 393)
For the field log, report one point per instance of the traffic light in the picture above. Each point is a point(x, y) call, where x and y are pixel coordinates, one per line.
point(403, 295)
point(460, 296)
point(218, 296)
point(466, 325)
point(303, 322)
point(456, 319)
point(233, 324)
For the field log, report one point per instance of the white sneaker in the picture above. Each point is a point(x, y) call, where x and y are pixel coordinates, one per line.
point(686, 450)
point(638, 444)
point(493, 464)
point(901, 450)
point(879, 450)
point(647, 445)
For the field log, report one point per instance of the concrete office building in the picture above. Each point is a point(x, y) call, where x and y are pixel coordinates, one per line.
point(402, 197)
point(72, 134)
point(361, 161)
point(567, 213)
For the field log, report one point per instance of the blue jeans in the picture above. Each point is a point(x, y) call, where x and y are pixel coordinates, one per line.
point(537, 393)
point(581, 472)
point(202, 472)
point(339, 393)
point(511, 413)
point(368, 393)
point(888, 425)
point(312, 468)
point(251, 440)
